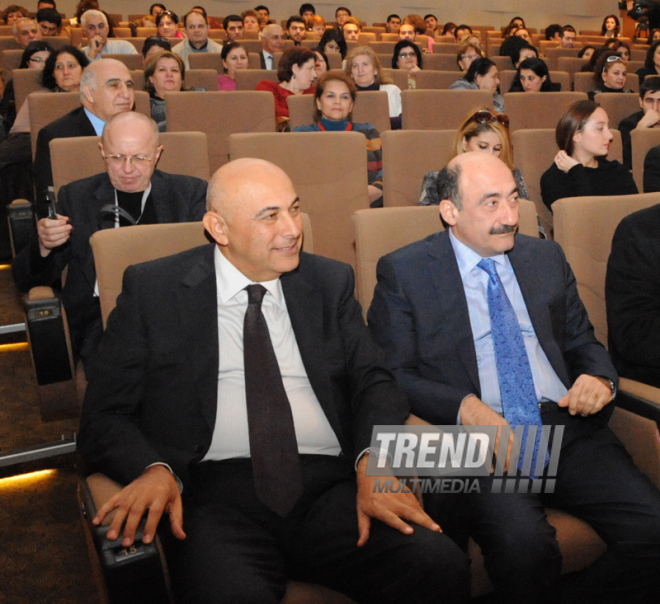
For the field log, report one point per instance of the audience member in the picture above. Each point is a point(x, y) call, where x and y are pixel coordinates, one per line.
point(167, 23)
point(333, 41)
point(164, 72)
point(49, 21)
point(351, 29)
point(197, 30)
point(316, 25)
point(296, 29)
point(468, 52)
point(233, 25)
point(432, 24)
point(610, 75)
point(264, 15)
point(251, 21)
point(586, 52)
point(13, 13)
point(648, 117)
point(482, 75)
point(407, 32)
point(307, 10)
point(408, 57)
point(449, 29)
point(341, 14)
point(95, 27)
point(620, 47)
point(568, 37)
point(462, 31)
point(233, 56)
point(272, 41)
point(521, 32)
point(611, 27)
point(26, 31)
point(393, 24)
point(533, 76)
point(651, 64)
point(154, 45)
point(554, 32)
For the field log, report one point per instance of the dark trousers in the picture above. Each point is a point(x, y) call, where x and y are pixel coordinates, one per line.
point(237, 550)
point(598, 482)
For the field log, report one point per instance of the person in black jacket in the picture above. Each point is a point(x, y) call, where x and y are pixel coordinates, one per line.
point(648, 117)
point(581, 168)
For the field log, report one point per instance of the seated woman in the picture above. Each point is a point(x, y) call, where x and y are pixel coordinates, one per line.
point(533, 76)
point(316, 26)
point(153, 45)
point(322, 64)
point(610, 27)
point(482, 75)
point(482, 130)
point(586, 52)
point(335, 96)
point(620, 47)
point(610, 75)
point(408, 57)
point(332, 41)
point(651, 64)
point(164, 72)
point(581, 168)
point(296, 75)
point(654, 36)
point(233, 57)
point(363, 66)
point(251, 22)
point(167, 23)
point(468, 52)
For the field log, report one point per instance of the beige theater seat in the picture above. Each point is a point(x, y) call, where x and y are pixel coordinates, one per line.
point(208, 112)
point(642, 142)
point(206, 60)
point(440, 109)
point(26, 81)
point(247, 79)
point(131, 61)
point(557, 77)
point(202, 78)
point(407, 156)
point(543, 110)
point(436, 80)
point(441, 62)
point(618, 106)
point(329, 173)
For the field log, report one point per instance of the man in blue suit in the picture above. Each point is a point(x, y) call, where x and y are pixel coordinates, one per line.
point(432, 315)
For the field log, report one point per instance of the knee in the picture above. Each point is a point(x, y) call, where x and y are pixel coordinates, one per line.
point(231, 593)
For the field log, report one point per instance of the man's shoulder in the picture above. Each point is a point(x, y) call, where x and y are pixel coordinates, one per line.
point(181, 46)
point(632, 120)
point(213, 46)
point(173, 268)
point(321, 268)
point(63, 125)
point(177, 181)
point(73, 189)
point(418, 249)
point(117, 46)
point(643, 223)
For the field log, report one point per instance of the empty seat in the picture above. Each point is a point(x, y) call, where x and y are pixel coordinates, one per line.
point(526, 110)
point(436, 80)
point(131, 61)
point(441, 62)
point(440, 109)
point(247, 79)
point(202, 78)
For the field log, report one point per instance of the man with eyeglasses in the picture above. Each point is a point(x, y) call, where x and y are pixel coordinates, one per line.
point(95, 27)
point(197, 29)
point(131, 191)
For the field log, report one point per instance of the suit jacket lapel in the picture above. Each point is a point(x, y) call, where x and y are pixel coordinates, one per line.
point(450, 297)
point(161, 198)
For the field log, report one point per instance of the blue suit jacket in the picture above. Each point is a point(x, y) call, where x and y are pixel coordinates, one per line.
point(419, 316)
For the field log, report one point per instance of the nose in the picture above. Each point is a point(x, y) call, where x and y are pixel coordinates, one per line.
point(509, 215)
point(608, 134)
point(291, 225)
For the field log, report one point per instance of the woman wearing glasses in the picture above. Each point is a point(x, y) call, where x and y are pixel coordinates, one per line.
point(408, 57)
point(483, 131)
point(581, 168)
point(482, 75)
point(610, 75)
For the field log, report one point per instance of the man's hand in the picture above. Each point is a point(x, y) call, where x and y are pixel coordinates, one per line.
point(390, 508)
point(53, 233)
point(475, 412)
point(96, 45)
point(588, 395)
point(650, 120)
point(156, 490)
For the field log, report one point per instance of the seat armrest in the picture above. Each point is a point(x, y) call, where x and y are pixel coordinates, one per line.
point(639, 398)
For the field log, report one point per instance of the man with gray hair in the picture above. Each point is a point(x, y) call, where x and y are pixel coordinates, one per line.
point(26, 31)
point(95, 27)
point(106, 88)
point(272, 41)
point(131, 191)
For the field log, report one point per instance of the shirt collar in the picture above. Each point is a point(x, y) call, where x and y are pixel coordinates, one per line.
point(468, 259)
point(231, 281)
point(97, 122)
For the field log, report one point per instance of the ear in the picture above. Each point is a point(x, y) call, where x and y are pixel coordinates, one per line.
point(543, 79)
point(159, 152)
point(216, 227)
point(577, 137)
point(464, 145)
point(87, 93)
point(641, 102)
point(449, 212)
point(101, 147)
point(318, 104)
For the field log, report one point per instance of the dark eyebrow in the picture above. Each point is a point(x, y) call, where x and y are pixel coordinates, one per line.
point(276, 208)
point(487, 196)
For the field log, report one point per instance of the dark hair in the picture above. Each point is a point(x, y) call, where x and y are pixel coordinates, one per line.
point(419, 25)
point(350, 14)
point(167, 13)
point(152, 63)
point(539, 67)
point(448, 27)
point(400, 45)
point(330, 35)
point(568, 28)
point(50, 15)
point(462, 26)
point(603, 65)
point(448, 185)
point(479, 67)
point(648, 63)
point(194, 12)
point(49, 2)
point(585, 48)
point(85, 5)
point(48, 74)
point(325, 58)
point(512, 46)
point(571, 122)
point(226, 20)
point(30, 49)
point(262, 7)
point(227, 48)
point(615, 44)
point(151, 8)
point(516, 19)
point(14, 8)
point(553, 29)
point(197, 11)
point(649, 40)
point(650, 84)
point(430, 15)
point(332, 77)
point(306, 7)
point(163, 43)
point(295, 55)
point(295, 19)
point(616, 29)
point(393, 15)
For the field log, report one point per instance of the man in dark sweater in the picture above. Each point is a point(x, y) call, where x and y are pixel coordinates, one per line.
point(648, 117)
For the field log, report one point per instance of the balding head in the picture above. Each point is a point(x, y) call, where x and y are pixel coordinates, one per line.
point(106, 88)
point(479, 201)
point(254, 216)
point(131, 150)
point(26, 31)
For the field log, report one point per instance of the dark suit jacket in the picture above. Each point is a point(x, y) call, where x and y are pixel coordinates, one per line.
point(419, 316)
point(652, 170)
point(176, 198)
point(626, 126)
point(74, 123)
point(262, 60)
point(632, 293)
point(152, 396)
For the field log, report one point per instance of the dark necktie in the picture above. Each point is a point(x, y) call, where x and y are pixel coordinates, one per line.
point(513, 370)
point(273, 445)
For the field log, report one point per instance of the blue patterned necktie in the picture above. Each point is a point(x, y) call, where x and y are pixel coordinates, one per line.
point(513, 371)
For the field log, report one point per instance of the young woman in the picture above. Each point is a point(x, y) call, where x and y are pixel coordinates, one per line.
point(233, 57)
point(533, 76)
point(482, 75)
point(651, 64)
point(610, 75)
point(581, 168)
point(610, 27)
point(335, 97)
point(167, 23)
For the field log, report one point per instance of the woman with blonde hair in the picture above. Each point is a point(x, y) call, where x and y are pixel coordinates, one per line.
point(364, 68)
point(484, 131)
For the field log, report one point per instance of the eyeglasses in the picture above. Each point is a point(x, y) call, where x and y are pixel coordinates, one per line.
point(407, 55)
point(613, 58)
point(484, 116)
point(135, 160)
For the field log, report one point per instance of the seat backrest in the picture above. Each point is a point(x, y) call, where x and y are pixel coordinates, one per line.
point(146, 32)
point(441, 62)
point(383, 231)
point(399, 78)
point(407, 156)
point(329, 173)
point(571, 65)
point(247, 79)
point(542, 110)
point(205, 60)
point(552, 56)
point(642, 141)
point(370, 107)
point(209, 112)
point(382, 47)
point(117, 249)
point(131, 61)
point(440, 109)
point(79, 157)
point(617, 106)
point(436, 80)
point(26, 81)
point(10, 59)
point(202, 78)
point(584, 227)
